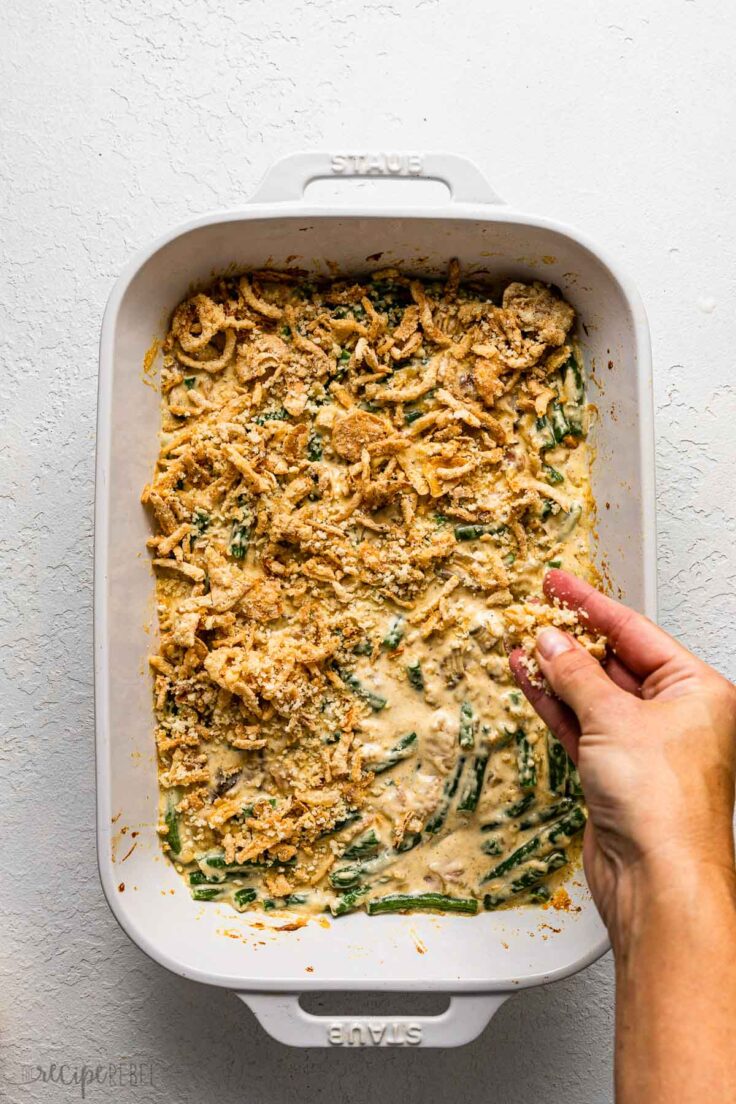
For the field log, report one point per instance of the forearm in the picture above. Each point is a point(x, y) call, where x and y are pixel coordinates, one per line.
point(675, 948)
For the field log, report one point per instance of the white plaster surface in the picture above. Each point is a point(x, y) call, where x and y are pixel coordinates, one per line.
point(122, 117)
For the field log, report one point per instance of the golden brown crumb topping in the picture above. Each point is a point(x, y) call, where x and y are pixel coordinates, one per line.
point(358, 489)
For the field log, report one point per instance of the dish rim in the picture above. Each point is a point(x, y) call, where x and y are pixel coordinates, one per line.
point(467, 212)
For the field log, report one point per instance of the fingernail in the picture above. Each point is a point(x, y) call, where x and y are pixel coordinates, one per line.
point(552, 642)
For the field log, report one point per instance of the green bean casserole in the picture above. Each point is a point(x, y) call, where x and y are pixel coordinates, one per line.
point(359, 488)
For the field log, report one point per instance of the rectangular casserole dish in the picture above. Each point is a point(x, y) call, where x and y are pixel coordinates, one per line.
point(478, 962)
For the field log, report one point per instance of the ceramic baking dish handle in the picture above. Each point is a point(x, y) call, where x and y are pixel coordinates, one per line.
point(287, 178)
point(281, 1015)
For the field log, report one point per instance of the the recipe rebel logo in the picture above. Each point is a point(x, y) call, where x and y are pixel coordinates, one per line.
point(84, 1079)
point(377, 164)
point(363, 1033)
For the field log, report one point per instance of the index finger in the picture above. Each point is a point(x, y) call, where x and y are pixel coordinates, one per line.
point(641, 644)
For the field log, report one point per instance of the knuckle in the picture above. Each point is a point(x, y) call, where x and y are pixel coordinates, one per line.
point(621, 622)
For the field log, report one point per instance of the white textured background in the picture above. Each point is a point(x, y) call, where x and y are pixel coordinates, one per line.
point(122, 117)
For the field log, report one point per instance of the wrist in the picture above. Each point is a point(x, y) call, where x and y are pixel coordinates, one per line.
point(670, 891)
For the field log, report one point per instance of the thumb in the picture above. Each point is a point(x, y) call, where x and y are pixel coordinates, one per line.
point(576, 678)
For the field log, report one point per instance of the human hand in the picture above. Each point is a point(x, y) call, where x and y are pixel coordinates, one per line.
point(653, 733)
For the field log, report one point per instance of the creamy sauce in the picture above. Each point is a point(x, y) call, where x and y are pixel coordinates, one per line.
point(346, 541)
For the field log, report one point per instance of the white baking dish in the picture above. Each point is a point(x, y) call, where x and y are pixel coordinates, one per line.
point(480, 961)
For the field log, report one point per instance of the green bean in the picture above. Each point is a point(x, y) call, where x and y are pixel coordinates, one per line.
point(557, 764)
point(200, 520)
point(466, 735)
point(560, 424)
point(291, 899)
point(409, 842)
point(526, 880)
point(422, 902)
point(216, 861)
point(239, 539)
point(574, 785)
point(412, 415)
point(198, 877)
point(170, 706)
point(402, 749)
point(395, 633)
point(212, 875)
point(509, 813)
point(362, 847)
point(349, 901)
point(415, 675)
point(279, 415)
point(339, 825)
point(525, 761)
point(437, 820)
point(552, 475)
point(573, 380)
point(206, 893)
point(549, 812)
point(492, 846)
point(314, 446)
point(468, 802)
point(348, 876)
point(375, 701)
point(542, 843)
point(574, 395)
point(544, 433)
point(474, 532)
point(190, 382)
point(540, 895)
point(173, 835)
point(244, 897)
point(565, 828)
point(365, 647)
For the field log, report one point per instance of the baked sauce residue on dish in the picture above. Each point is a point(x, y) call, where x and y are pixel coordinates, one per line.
point(360, 486)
